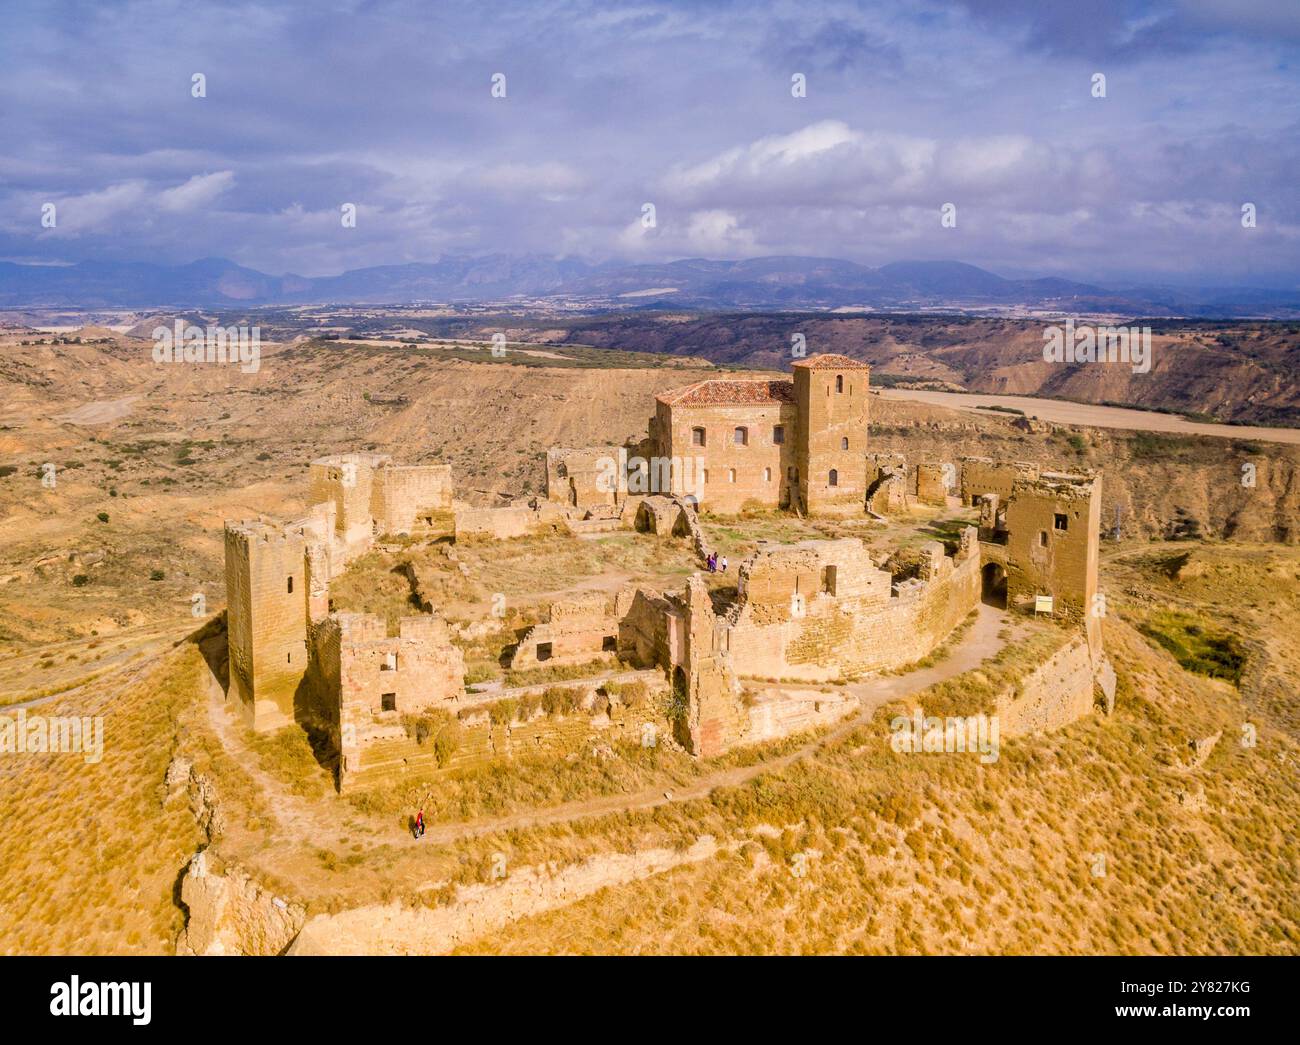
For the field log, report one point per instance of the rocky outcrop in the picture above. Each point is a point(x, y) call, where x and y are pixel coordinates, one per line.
point(229, 913)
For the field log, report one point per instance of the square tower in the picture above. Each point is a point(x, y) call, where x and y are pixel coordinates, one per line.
point(266, 614)
point(830, 393)
point(1053, 524)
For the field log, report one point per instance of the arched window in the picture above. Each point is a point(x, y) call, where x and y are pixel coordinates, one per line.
point(740, 437)
point(731, 475)
point(767, 475)
point(844, 443)
point(834, 478)
point(289, 589)
point(839, 382)
point(697, 436)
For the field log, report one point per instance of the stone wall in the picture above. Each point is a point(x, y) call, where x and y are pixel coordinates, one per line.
point(407, 497)
point(1054, 694)
point(497, 523)
point(821, 610)
point(581, 477)
point(740, 461)
point(983, 475)
point(579, 629)
point(1052, 525)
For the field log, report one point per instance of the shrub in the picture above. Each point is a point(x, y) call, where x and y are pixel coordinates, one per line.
point(561, 700)
point(102, 517)
point(80, 580)
point(156, 575)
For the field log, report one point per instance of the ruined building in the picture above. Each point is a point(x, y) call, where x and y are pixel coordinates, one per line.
point(278, 574)
point(756, 663)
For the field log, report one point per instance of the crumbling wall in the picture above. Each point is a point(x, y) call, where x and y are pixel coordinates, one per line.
point(582, 477)
point(983, 475)
point(578, 630)
point(650, 629)
point(405, 497)
point(712, 719)
point(821, 610)
point(497, 523)
point(1054, 694)
point(932, 479)
point(1053, 525)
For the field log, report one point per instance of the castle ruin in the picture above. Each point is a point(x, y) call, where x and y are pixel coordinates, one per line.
point(807, 616)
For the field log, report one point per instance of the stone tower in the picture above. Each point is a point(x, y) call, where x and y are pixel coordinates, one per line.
point(267, 591)
point(713, 720)
point(831, 440)
point(1053, 525)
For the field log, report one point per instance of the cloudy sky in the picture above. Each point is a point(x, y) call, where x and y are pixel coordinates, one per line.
point(986, 104)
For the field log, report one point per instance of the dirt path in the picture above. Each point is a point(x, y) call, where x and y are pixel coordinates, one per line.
point(319, 822)
point(976, 645)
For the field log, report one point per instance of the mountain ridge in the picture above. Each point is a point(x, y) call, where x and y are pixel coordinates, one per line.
point(703, 284)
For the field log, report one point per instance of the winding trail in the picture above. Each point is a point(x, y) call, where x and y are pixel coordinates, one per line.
point(318, 821)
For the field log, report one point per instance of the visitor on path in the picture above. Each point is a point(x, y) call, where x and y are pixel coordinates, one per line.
point(419, 824)
point(713, 562)
point(724, 564)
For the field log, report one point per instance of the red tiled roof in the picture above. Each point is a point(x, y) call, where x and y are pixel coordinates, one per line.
point(719, 391)
point(831, 361)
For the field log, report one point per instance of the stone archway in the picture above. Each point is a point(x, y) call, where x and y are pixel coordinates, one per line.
point(994, 590)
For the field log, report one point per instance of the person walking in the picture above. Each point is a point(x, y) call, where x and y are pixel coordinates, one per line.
point(419, 824)
point(724, 564)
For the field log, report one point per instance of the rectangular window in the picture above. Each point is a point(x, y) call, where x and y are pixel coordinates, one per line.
point(778, 435)
point(1061, 522)
point(388, 702)
point(543, 651)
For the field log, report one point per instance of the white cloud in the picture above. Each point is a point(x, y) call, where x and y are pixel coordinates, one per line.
point(199, 191)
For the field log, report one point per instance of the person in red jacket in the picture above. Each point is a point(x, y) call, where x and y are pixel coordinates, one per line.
point(419, 824)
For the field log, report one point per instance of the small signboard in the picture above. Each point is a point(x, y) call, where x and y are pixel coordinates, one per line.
point(1042, 604)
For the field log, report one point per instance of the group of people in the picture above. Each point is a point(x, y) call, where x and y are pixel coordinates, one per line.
point(715, 564)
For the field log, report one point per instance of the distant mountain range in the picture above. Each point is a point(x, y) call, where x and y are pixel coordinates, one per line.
point(760, 284)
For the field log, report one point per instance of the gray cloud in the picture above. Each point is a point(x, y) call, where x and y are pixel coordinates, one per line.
point(386, 104)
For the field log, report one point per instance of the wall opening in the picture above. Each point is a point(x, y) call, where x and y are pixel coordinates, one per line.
point(1060, 522)
point(834, 478)
point(844, 443)
point(388, 702)
point(290, 586)
point(543, 651)
point(740, 437)
point(828, 579)
point(697, 436)
point(994, 588)
point(609, 644)
point(778, 434)
point(839, 382)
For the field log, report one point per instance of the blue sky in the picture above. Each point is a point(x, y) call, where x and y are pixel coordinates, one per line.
point(909, 105)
